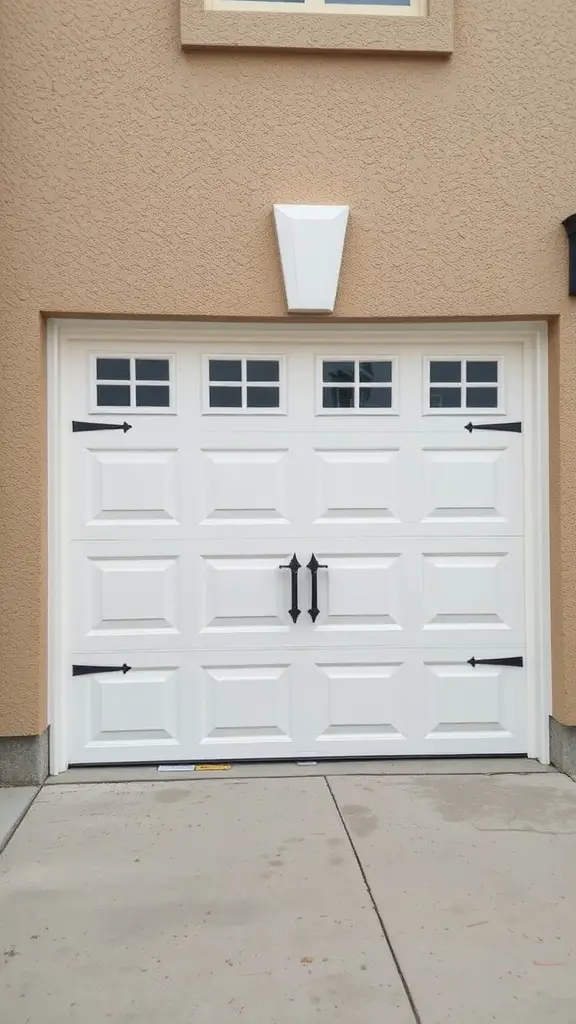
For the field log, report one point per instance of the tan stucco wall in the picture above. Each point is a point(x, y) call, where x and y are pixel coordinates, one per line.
point(138, 179)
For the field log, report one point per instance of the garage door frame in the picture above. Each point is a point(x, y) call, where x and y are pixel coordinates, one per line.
point(532, 336)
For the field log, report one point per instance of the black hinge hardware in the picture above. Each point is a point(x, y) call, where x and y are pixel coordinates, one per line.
point(512, 662)
point(293, 566)
point(512, 428)
point(79, 425)
point(89, 670)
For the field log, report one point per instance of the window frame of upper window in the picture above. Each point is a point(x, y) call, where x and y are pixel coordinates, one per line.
point(413, 9)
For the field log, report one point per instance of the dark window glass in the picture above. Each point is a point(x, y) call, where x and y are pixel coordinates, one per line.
point(338, 373)
point(113, 394)
point(152, 369)
point(113, 369)
point(375, 373)
point(153, 397)
point(445, 372)
point(479, 372)
point(225, 398)
point(263, 369)
point(263, 398)
point(445, 398)
point(338, 398)
point(375, 398)
point(482, 398)
point(225, 369)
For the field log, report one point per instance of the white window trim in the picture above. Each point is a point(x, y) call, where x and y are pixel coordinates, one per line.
point(357, 359)
point(416, 9)
point(133, 409)
point(208, 410)
point(464, 410)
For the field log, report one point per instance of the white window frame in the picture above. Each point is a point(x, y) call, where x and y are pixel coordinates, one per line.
point(416, 9)
point(463, 410)
point(243, 383)
point(133, 409)
point(394, 384)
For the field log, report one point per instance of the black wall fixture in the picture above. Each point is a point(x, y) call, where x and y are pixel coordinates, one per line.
point(570, 225)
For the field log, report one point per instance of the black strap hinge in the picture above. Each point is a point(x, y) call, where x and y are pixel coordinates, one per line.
point(513, 428)
point(93, 670)
point(81, 425)
point(512, 662)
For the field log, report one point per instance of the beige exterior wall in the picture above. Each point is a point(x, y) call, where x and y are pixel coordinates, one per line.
point(138, 180)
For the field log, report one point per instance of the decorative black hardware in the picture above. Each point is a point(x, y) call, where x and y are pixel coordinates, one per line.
point(89, 670)
point(314, 565)
point(570, 227)
point(293, 566)
point(513, 428)
point(512, 662)
point(80, 425)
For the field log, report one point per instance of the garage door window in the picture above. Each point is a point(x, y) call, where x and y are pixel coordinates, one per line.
point(356, 386)
point(132, 384)
point(464, 384)
point(243, 385)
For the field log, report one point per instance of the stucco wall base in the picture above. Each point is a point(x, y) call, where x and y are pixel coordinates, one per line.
point(23, 760)
point(563, 747)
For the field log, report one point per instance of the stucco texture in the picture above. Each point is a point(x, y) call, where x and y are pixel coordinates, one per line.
point(138, 179)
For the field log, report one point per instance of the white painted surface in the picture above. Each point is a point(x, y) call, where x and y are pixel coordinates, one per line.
point(311, 242)
point(175, 532)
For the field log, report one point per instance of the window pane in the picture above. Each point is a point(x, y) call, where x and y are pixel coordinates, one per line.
point(153, 397)
point(113, 369)
point(375, 373)
point(445, 398)
point(338, 398)
point(372, 3)
point(113, 394)
point(225, 369)
point(482, 372)
point(445, 372)
point(152, 369)
point(338, 373)
point(482, 398)
point(263, 369)
point(375, 398)
point(263, 398)
point(225, 398)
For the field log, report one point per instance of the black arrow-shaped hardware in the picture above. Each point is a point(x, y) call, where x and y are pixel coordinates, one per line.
point(90, 670)
point(293, 566)
point(80, 425)
point(314, 565)
point(512, 662)
point(512, 428)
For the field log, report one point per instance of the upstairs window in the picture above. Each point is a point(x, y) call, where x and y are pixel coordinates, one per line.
point(414, 8)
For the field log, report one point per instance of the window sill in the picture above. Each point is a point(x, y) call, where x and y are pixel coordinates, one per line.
point(318, 32)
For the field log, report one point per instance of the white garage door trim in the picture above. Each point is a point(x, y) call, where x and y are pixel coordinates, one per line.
point(532, 336)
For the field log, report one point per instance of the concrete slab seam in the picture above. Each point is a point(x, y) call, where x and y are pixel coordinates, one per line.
point(5, 839)
point(383, 928)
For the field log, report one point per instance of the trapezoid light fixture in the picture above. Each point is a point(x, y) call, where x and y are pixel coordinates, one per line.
point(311, 242)
point(570, 226)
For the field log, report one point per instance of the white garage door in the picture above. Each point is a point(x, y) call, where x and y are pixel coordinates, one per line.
point(200, 627)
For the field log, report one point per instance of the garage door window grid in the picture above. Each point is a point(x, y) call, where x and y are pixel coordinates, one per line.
point(246, 385)
point(470, 385)
point(132, 384)
point(353, 386)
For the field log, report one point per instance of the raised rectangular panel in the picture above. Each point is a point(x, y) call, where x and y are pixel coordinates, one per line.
point(247, 703)
point(245, 593)
point(357, 486)
point(466, 591)
point(363, 701)
point(465, 701)
point(360, 592)
point(133, 595)
point(133, 488)
point(464, 485)
point(138, 708)
point(245, 487)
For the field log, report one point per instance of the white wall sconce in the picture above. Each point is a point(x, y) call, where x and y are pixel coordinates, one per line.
point(311, 241)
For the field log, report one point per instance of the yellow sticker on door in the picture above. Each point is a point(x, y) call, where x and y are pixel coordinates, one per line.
point(212, 768)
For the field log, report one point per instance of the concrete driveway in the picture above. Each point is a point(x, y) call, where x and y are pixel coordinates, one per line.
point(345, 899)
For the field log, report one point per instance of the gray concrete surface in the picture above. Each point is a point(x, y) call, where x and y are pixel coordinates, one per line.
point(13, 806)
point(432, 899)
point(24, 760)
point(563, 747)
point(476, 881)
point(291, 769)
point(195, 904)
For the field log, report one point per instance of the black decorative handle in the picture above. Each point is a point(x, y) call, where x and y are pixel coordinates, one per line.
point(514, 662)
point(314, 565)
point(293, 566)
